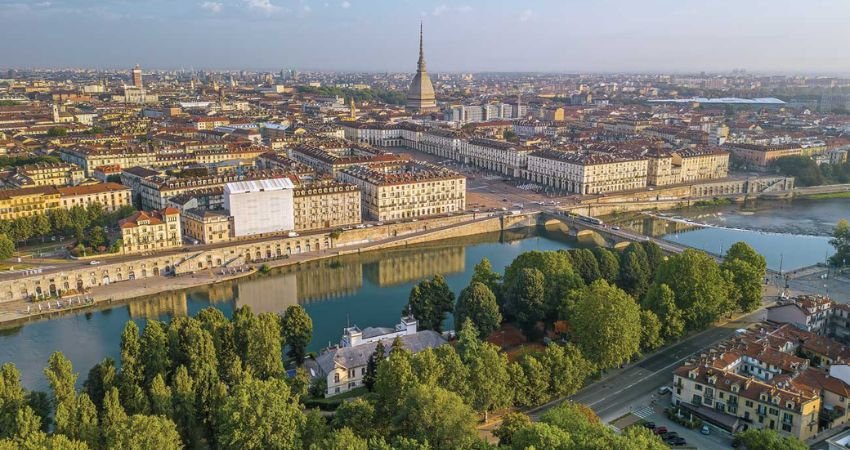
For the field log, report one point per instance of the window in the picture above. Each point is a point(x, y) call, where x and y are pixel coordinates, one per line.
point(698, 387)
point(336, 378)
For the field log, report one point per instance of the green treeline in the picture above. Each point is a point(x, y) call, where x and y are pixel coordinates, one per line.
point(359, 95)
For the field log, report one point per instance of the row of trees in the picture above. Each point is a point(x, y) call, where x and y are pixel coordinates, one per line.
point(612, 305)
point(86, 224)
point(360, 95)
point(196, 382)
point(807, 172)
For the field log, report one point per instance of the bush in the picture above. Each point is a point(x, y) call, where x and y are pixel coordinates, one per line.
point(672, 414)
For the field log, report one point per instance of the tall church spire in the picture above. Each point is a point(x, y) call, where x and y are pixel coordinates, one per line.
point(421, 64)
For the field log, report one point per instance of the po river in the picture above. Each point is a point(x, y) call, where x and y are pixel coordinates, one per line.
point(372, 289)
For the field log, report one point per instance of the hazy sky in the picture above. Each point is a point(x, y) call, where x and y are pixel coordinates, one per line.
point(810, 36)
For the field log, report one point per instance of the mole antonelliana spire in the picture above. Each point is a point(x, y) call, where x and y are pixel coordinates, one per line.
point(420, 95)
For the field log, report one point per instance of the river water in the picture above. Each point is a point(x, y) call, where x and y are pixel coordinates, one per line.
point(372, 289)
point(790, 235)
point(367, 290)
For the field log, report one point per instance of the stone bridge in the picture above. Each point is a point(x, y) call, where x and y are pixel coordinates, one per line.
point(582, 231)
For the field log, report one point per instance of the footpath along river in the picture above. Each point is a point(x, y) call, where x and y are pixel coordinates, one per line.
point(372, 289)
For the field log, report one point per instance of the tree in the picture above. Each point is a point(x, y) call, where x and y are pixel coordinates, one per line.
point(553, 265)
point(478, 303)
point(745, 283)
point(661, 300)
point(489, 381)
point(132, 376)
point(527, 300)
point(113, 419)
point(454, 372)
point(654, 256)
point(154, 351)
point(700, 289)
point(606, 324)
point(540, 436)
point(609, 265)
point(7, 247)
point(803, 168)
point(357, 415)
point(40, 404)
point(21, 229)
point(429, 302)
point(427, 367)
point(263, 358)
point(394, 378)
point(101, 378)
point(299, 383)
point(483, 273)
point(650, 331)
point(841, 241)
point(97, 237)
point(57, 132)
point(437, 416)
point(259, 414)
point(585, 265)
point(11, 399)
point(77, 419)
point(40, 225)
point(754, 439)
point(567, 368)
point(743, 251)
point(61, 377)
point(185, 412)
point(161, 398)
point(148, 432)
point(372, 366)
point(511, 423)
point(536, 389)
point(635, 272)
point(297, 331)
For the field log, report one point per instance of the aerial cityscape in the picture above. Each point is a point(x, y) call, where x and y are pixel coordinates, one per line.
point(493, 225)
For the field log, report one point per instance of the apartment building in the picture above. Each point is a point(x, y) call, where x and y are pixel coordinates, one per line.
point(326, 205)
point(759, 156)
point(496, 156)
point(154, 191)
point(26, 202)
point(111, 196)
point(206, 226)
point(47, 174)
point(146, 231)
point(89, 157)
point(406, 190)
point(701, 163)
point(735, 401)
point(587, 173)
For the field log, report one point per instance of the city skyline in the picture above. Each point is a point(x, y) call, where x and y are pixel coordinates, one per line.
point(381, 36)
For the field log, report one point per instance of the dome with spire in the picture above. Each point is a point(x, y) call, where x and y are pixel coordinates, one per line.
point(420, 95)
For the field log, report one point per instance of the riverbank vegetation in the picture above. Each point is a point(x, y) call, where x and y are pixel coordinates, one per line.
point(807, 172)
point(85, 224)
point(213, 382)
point(841, 241)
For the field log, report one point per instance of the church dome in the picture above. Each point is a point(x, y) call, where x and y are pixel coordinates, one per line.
point(420, 95)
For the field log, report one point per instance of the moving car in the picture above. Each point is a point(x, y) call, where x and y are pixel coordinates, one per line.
point(705, 430)
point(664, 390)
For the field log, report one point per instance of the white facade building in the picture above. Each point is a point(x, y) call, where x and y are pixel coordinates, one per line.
point(260, 206)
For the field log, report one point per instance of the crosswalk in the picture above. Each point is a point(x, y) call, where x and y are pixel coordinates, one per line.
point(644, 412)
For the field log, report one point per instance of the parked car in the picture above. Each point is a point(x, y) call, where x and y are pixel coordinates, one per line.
point(669, 436)
point(664, 390)
point(705, 430)
point(660, 430)
point(678, 442)
point(650, 425)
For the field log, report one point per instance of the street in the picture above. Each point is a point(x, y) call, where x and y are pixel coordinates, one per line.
point(622, 389)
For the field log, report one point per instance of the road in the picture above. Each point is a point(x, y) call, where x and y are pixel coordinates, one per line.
point(611, 396)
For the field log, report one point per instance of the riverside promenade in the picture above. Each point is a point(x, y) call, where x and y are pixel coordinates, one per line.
point(21, 311)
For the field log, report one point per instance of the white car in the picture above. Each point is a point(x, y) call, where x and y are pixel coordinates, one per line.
point(94, 262)
point(664, 390)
